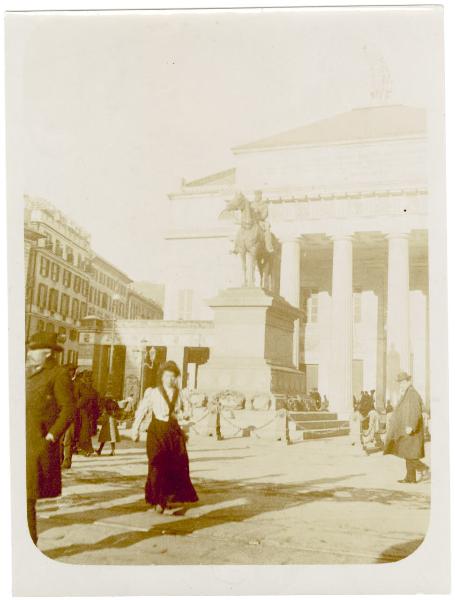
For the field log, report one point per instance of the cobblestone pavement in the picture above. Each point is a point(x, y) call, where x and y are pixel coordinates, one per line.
point(260, 503)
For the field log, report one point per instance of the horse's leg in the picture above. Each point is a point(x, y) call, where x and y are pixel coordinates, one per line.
point(267, 275)
point(260, 266)
point(243, 258)
point(252, 268)
point(248, 280)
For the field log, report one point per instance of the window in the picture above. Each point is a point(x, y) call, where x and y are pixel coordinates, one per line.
point(50, 328)
point(77, 284)
point(74, 335)
point(90, 294)
point(40, 326)
point(67, 275)
point(83, 310)
point(79, 260)
point(357, 305)
point(69, 255)
point(42, 295)
point(64, 305)
point(61, 331)
point(75, 309)
point(58, 248)
point(52, 301)
point(55, 272)
point(48, 242)
point(84, 287)
point(44, 267)
point(185, 305)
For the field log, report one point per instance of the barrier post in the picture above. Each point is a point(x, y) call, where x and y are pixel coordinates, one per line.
point(214, 421)
point(282, 426)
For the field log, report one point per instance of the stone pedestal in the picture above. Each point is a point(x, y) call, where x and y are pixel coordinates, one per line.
point(252, 351)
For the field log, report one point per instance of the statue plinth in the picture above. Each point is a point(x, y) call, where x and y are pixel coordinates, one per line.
point(252, 351)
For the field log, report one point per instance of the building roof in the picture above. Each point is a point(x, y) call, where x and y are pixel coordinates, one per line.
point(374, 122)
point(132, 291)
point(107, 265)
point(152, 291)
point(221, 178)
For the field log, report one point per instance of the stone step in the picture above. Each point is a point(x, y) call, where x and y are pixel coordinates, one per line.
point(313, 416)
point(313, 425)
point(316, 434)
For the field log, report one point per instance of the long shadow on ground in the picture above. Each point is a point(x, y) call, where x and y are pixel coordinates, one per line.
point(273, 497)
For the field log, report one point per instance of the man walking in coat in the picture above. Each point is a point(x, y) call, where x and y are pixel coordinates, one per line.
point(405, 435)
point(50, 408)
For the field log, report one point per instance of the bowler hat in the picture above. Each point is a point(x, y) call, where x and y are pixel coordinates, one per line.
point(45, 339)
point(403, 376)
point(171, 366)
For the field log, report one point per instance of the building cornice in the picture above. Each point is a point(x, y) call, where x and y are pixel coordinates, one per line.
point(326, 144)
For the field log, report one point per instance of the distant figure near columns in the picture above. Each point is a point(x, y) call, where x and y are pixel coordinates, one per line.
point(398, 352)
point(342, 327)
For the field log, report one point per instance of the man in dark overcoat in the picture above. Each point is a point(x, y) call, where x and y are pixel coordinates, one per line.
point(405, 434)
point(50, 408)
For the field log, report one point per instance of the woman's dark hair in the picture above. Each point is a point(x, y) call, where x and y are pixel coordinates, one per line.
point(171, 366)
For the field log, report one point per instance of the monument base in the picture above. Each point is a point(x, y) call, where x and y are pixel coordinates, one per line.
point(253, 346)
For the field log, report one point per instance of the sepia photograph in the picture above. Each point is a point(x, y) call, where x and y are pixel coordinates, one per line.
point(227, 262)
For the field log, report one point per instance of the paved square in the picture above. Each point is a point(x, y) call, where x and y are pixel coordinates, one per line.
point(260, 503)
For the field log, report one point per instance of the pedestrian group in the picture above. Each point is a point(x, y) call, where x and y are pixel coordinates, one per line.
point(63, 410)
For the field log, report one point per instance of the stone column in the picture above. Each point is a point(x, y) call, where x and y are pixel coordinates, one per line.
point(290, 285)
point(340, 398)
point(398, 355)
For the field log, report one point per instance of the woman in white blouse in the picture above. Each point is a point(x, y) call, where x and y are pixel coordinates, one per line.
point(168, 479)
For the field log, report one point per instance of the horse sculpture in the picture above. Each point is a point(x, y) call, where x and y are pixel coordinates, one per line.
point(250, 243)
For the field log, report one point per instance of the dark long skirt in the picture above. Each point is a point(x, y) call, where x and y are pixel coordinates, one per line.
point(85, 434)
point(168, 477)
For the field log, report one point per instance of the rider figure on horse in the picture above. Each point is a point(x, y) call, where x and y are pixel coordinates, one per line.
point(261, 214)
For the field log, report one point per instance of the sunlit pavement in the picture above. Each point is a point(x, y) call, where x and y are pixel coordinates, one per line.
point(260, 503)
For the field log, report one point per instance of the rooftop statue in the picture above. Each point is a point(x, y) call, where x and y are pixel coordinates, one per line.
point(254, 242)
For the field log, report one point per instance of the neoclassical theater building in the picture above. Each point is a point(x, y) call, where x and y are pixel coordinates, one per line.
point(348, 202)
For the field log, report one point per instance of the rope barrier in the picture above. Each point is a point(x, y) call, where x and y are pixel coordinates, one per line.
point(192, 424)
point(231, 423)
point(201, 418)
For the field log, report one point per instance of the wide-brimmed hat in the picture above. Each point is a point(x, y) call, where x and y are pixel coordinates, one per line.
point(45, 339)
point(403, 376)
point(171, 366)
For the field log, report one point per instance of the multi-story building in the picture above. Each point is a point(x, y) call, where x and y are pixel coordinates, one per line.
point(67, 282)
point(58, 274)
point(140, 307)
point(108, 293)
point(111, 295)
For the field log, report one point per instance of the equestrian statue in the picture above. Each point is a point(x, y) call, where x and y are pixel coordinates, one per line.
point(254, 243)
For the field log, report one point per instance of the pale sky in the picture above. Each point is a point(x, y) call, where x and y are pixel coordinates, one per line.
point(118, 108)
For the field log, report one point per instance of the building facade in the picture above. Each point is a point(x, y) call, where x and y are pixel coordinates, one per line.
point(67, 282)
point(57, 275)
point(348, 200)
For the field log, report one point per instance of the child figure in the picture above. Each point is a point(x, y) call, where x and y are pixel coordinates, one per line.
point(109, 430)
